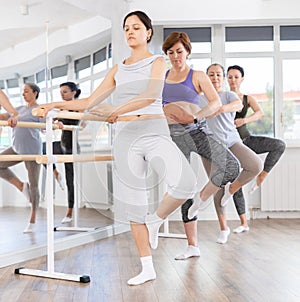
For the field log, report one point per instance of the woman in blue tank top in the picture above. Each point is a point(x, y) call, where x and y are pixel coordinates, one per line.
point(182, 88)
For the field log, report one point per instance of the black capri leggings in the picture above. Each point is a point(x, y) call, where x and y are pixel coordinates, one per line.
point(260, 144)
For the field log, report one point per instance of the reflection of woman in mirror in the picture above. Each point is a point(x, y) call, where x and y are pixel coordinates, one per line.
point(25, 141)
point(69, 91)
point(142, 139)
point(4, 102)
point(259, 144)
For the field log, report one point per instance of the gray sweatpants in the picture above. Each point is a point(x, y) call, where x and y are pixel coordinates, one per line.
point(224, 165)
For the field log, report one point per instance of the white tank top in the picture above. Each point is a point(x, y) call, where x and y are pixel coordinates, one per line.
point(132, 80)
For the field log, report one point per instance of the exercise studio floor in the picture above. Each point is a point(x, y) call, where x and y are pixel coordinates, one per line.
point(13, 221)
point(261, 265)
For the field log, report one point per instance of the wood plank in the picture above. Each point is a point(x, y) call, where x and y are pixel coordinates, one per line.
point(261, 265)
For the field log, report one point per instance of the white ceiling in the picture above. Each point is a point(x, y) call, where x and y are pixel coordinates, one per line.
point(53, 16)
point(15, 27)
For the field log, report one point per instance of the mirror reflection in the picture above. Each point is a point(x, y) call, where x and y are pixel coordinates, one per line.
point(50, 43)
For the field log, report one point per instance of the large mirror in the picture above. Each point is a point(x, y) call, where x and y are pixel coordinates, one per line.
point(50, 42)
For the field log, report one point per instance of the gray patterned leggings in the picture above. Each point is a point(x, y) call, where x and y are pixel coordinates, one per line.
point(225, 166)
point(260, 144)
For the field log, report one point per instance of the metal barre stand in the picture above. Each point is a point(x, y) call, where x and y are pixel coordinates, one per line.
point(50, 273)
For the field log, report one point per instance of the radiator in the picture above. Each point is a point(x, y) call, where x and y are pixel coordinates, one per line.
point(281, 189)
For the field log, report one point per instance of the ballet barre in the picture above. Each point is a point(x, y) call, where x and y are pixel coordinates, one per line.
point(50, 272)
point(38, 125)
point(62, 158)
point(86, 116)
point(71, 158)
point(69, 115)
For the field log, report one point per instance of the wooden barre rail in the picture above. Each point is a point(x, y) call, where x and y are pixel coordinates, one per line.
point(66, 158)
point(93, 117)
point(17, 157)
point(38, 125)
point(69, 158)
point(70, 115)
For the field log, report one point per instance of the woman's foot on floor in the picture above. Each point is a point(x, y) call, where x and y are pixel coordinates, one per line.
point(191, 251)
point(241, 229)
point(30, 228)
point(67, 219)
point(223, 236)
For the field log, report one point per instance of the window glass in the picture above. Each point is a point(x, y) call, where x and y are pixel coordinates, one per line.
point(85, 89)
point(290, 38)
point(291, 99)
point(201, 47)
point(97, 82)
point(83, 67)
point(258, 82)
point(199, 64)
point(249, 39)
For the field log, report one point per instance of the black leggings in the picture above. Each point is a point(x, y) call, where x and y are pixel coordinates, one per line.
point(224, 163)
point(69, 170)
point(260, 144)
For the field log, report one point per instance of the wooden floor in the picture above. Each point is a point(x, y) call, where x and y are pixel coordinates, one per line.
point(13, 221)
point(262, 265)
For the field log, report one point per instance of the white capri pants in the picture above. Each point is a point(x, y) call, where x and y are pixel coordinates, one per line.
point(138, 146)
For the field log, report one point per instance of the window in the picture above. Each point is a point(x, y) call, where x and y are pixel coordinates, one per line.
point(290, 38)
point(200, 37)
point(41, 78)
point(99, 60)
point(199, 64)
point(83, 67)
point(13, 86)
point(249, 39)
point(29, 79)
point(258, 82)
point(291, 99)
point(59, 74)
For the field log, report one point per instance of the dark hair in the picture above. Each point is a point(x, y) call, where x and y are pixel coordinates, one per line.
point(73, 87)
point(175, 37)
point(237, 67)
point(34, 88)
point(216, 64)
point(144, 19)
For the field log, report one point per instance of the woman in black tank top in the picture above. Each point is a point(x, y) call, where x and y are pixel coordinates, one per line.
point(259, 144)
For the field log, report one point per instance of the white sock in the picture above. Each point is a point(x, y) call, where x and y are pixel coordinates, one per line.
point(195, 207)
point(30, 228)
point(191, 251)
point(147, 273)
point(223, 236)
point(153, 223)
point(241, 229)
